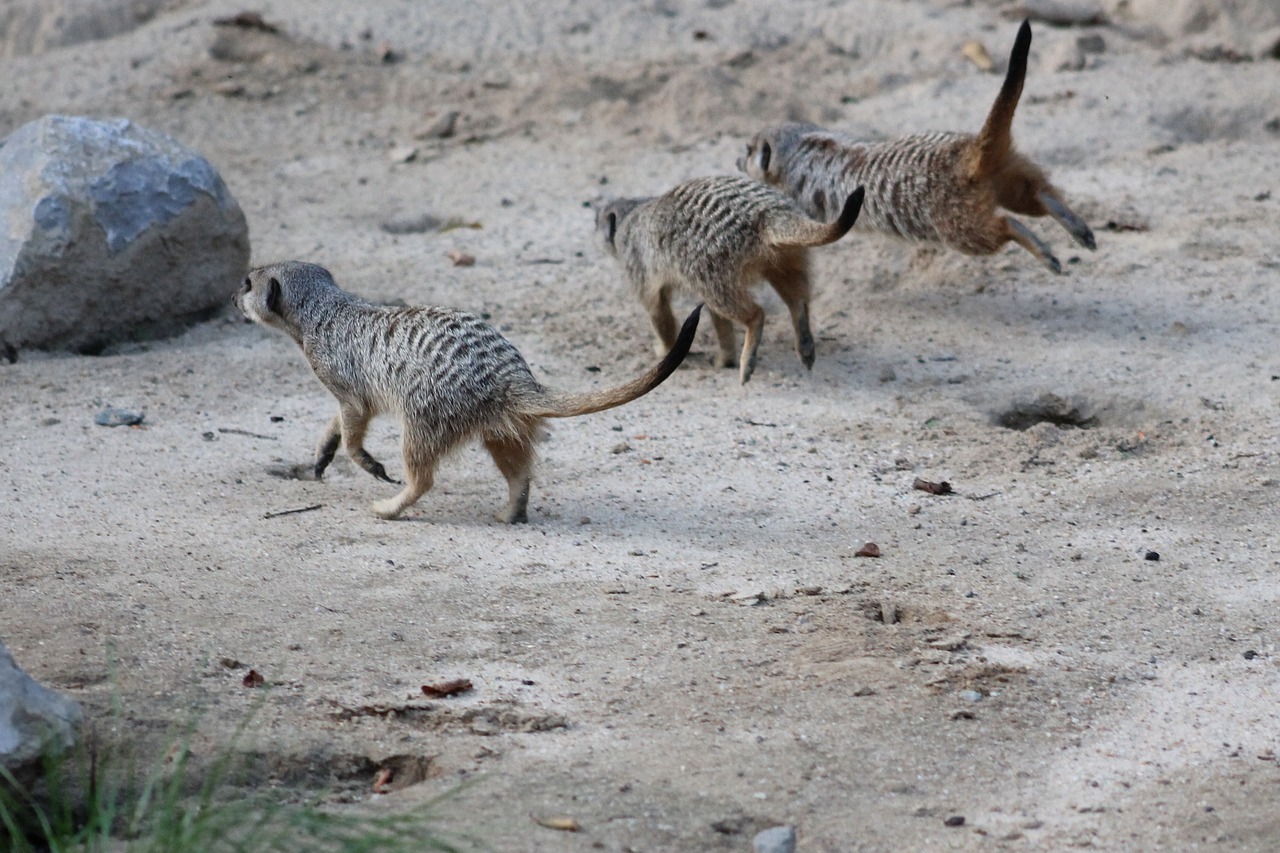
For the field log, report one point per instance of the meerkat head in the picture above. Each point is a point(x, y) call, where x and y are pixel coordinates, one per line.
point(610, 215)
point(769, 149)
point(271, 295)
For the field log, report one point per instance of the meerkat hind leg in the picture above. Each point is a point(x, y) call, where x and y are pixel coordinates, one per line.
point(514, 459)
point(1068, 219)
point(727, 339)
point(355, 423)
point(420, 481)
point(1023, 236)
point(664, 321)
point(328, 445)
point(791, 280)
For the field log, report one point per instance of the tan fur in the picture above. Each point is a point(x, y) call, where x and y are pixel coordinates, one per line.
point(716, 237)
point(933, 187)
point(447, 374)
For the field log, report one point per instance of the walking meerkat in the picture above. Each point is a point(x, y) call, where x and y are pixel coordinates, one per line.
point(932, 187)
point(715, 237)
point(447, 374)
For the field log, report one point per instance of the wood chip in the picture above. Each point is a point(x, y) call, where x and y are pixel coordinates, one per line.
point(445, 689)
point(564, 823)
point(253, 679)
point(943, 488)
point(977, 54)
point(382, 779)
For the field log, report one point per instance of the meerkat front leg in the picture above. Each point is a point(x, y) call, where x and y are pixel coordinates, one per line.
point(658, 303)
point(420, 456)
point(1022, 235)
point(727, 338)
point(1067, 217)
point(753, 319)
point(355, 423)
point(328, 445)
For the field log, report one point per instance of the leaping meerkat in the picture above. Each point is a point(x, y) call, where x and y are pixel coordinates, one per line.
point(715, 237)
point(932, 187)
point(447, 374)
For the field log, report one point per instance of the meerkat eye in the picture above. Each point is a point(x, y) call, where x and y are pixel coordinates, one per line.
point(611, 227)
point(765, 153)
point(248, 285)
point(274, 296)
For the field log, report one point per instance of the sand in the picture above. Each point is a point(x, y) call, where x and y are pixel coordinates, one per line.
point(682, 647)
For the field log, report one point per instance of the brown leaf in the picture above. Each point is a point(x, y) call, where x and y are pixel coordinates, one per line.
point(870, 549)
point(460, 259)
point(382, 779)
point(445, 689)
point(253, 679)
point(943, 488)
point(564, 823)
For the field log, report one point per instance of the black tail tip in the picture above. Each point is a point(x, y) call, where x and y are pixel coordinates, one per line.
point(1023, 39)
point(852, 207)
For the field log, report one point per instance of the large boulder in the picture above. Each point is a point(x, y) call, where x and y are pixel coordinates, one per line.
point(33, 719)
point(110, 231)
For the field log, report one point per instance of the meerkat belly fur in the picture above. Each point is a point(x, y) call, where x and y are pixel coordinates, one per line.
point(447, 375)
point(716, 237)
point(933, 187)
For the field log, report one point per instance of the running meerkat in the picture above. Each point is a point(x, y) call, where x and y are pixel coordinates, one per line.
point(447, 374)
point(715, 237)
point(932, 187)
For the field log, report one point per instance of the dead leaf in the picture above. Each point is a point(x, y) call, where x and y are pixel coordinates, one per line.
point(445, 689)
point(382, 779)
point(564, 823)
point(943, 488)
point(253, 679)
point(460, 259)
point(870, 549)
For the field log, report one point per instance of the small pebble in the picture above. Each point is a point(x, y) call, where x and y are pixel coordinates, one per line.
point(113, 417)
point(775, 839)
point(1153, 556)
point(1250, 655)
point(954, 820)
point(971, 695)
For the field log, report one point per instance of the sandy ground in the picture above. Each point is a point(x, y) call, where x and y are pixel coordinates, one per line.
point(682, 647)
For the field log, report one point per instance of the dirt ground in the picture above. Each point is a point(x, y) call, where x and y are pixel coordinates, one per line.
point(1077, 648)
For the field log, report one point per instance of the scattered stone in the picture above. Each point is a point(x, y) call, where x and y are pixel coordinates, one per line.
point(971, 695)
point(954, 820)
point(403, 154)
point(443, 127)
point(110, 231)
point(870, 549)
point(1092, 43)
point(888, 374)
point(420, 224)
point(1065, 13)
point(1153, 556)
point(943, 488)
point(775, 839)
point(113, 417)
point(748, 598)
point(34, 720)
point(460, 259)
point(1250, 654)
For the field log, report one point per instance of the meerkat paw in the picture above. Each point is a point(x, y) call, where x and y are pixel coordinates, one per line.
point(748, 368)
point(518, 517)
point(388, 509)
point(725, 359)
point(807, 351)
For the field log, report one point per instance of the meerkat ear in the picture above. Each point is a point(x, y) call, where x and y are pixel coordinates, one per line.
point(610, 227)
point(274, 295)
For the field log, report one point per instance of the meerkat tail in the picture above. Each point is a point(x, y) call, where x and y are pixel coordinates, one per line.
point(996, 138)
point(801, 231)
point(561, 404)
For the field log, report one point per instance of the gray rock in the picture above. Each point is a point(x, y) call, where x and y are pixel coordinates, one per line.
point(110, 231)
point(775, 839)
point(33, 718)
point(37, 26)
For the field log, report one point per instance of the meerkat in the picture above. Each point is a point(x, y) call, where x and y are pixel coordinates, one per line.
point(447, 374)
point(932, 187)
point(715, 237)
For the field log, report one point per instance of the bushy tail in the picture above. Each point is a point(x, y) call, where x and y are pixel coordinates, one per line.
point(560, 404)
point(996, 137)
point(802, 231)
